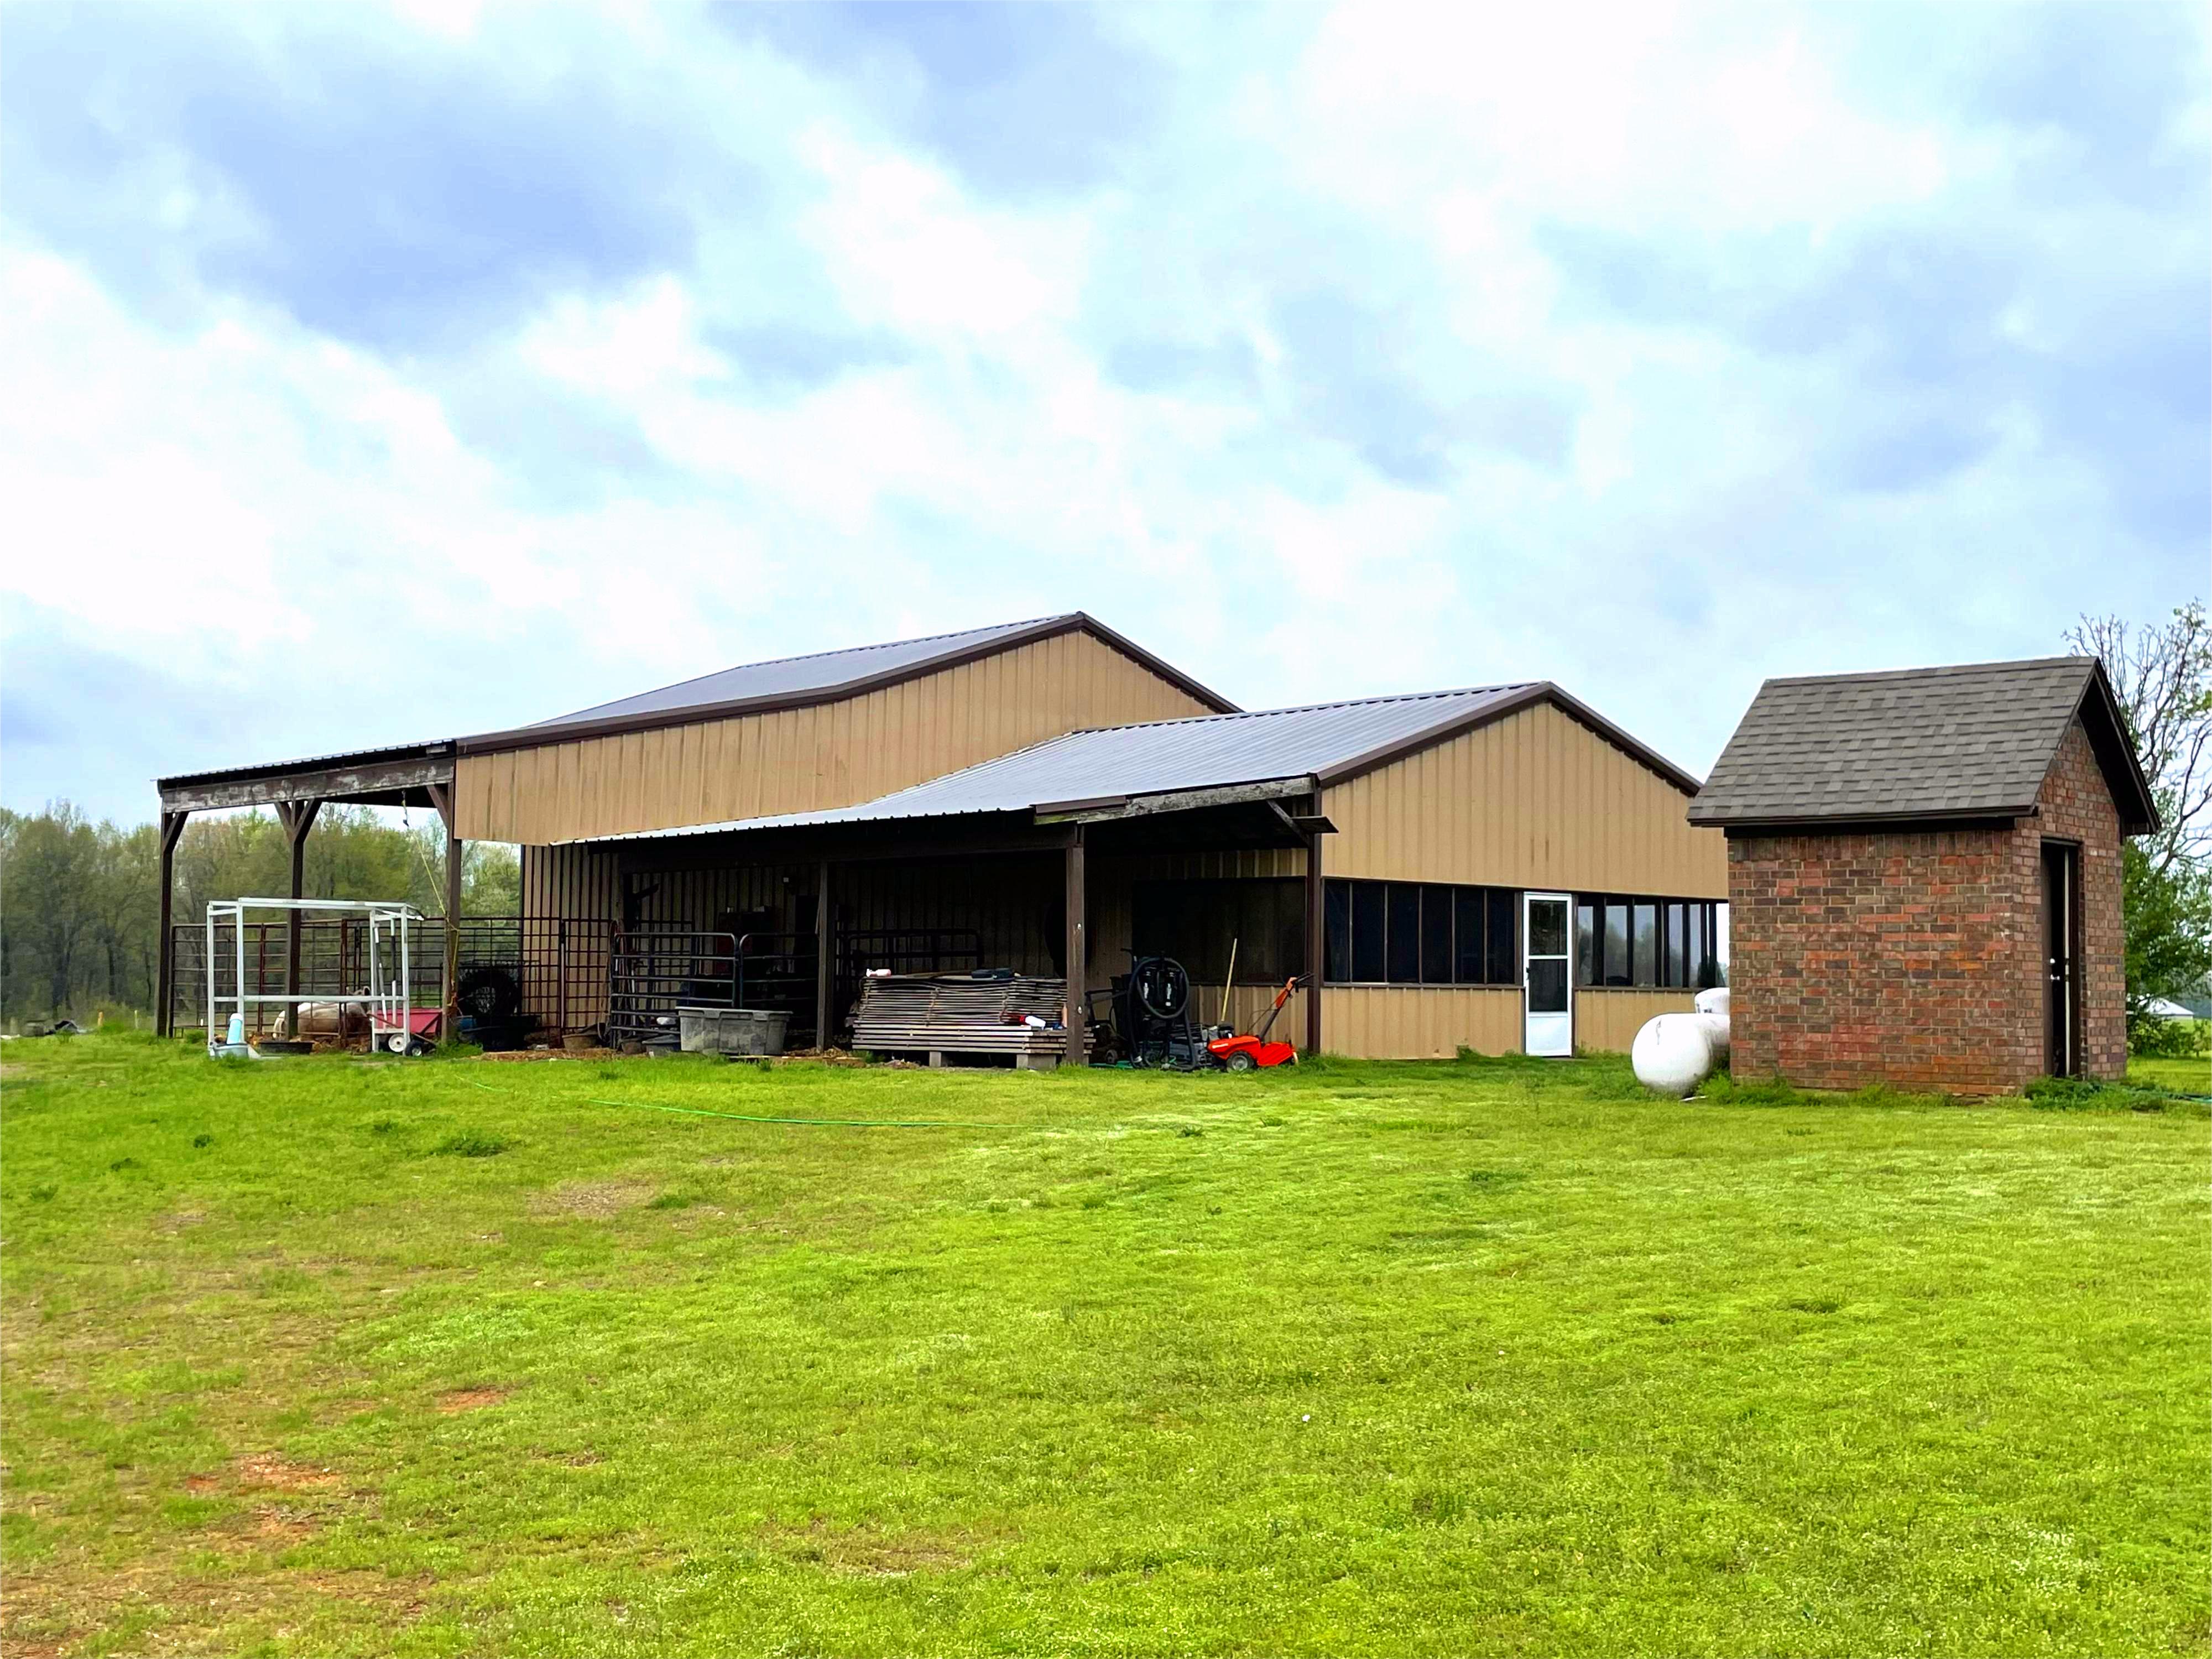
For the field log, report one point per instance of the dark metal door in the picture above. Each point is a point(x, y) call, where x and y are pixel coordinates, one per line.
point(2062, 977)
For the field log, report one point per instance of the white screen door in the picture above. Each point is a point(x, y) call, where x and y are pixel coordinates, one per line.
point(1547, 999)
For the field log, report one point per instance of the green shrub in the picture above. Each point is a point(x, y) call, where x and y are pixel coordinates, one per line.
point(2152, 1038)
point(2075, 1094)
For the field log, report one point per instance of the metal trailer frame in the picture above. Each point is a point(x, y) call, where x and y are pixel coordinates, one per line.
point(389, 1005)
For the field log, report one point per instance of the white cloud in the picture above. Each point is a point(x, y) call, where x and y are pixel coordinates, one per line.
point(1654, 468)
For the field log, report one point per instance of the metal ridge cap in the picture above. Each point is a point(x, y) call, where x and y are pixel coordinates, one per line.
point(1303, 708)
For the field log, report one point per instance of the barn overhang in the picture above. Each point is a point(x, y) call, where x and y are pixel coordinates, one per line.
point(419, 775)
point(1271, 814)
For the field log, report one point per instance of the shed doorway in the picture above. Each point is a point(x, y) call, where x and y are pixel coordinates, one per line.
point(1546, 970)
point(2061, 957)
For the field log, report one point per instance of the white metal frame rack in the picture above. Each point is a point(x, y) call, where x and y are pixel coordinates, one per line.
point(387, 1001)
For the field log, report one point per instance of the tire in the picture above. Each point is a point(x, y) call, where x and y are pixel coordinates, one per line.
point(1241, 1061)
point(490, 994)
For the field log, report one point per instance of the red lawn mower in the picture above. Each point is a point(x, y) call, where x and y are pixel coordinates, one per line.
point(1241, 1053)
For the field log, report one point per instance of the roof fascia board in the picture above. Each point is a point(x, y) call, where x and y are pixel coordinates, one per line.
point(534, 737)
point(1976, 817)
point(2116, 754)
point(1543, 692)
point(967, 834)
point(377, 779)
point(1171, 801)
point(311, 766)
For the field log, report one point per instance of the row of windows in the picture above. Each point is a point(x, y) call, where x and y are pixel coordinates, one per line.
point(1647, 941)
point(1405, 932)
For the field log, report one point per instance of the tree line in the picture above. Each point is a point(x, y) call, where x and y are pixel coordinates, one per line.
point(79, 901)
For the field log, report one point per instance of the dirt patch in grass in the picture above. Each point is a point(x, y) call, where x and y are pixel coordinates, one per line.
point(46, 1616)
point(272, 1528)
point(865, 1553)
point(594, 1200)
point(454, 1401)
point(271, 1472)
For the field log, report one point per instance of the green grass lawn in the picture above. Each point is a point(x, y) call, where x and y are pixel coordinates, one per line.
point(2192, 1077)
point(459, 1357)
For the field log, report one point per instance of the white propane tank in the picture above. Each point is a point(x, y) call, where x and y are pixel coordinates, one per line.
point(1673, 1053)
point(1713, 1014)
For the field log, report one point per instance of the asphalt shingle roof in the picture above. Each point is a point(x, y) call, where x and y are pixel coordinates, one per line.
point(1203, 751)
point(1916, 743)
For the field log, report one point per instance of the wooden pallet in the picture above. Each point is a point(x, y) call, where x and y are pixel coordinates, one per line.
point(947, 1014)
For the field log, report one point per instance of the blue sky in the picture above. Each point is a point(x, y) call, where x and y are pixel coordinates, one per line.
point(375, 376)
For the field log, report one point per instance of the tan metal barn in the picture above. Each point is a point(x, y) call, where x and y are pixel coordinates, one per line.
point(1498, 868)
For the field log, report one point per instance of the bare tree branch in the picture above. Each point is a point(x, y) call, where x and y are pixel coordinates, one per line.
point(2163, 676)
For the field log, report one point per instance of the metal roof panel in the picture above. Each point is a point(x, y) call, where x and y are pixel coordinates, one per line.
point(1203, 751)
point(784, 677)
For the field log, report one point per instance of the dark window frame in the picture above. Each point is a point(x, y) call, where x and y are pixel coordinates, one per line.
point(1689, 961)
point(1444, 949)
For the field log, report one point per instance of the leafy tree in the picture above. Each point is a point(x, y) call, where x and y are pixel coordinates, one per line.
point(2163, 676)
point(79, 901)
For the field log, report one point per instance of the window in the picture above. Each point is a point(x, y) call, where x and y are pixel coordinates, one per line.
point(1466, 935)
point(1402, 933)
point(1656, 942)
point(1436, 935)
point(1197, 923)
point(1503, 955)
point(1404, 946)
point(1366, 953)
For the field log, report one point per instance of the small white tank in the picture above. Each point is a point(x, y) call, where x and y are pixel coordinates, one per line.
point(1673, 1053)
point(1716, 1027)
point(1714, 1001)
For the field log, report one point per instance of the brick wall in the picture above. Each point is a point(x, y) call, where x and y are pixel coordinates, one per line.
point(2075, 803)
point(1916, 958)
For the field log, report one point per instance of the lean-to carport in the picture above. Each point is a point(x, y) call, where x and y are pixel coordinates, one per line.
point(1091, 842)
point(421, 776)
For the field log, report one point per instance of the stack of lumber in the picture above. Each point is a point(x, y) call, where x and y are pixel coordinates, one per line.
point(955, 1013)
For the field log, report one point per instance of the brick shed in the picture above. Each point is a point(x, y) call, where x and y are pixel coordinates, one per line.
point(1924, 877)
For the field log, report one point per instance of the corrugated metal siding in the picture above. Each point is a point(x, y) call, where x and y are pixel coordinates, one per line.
point(1409, 1022)
point(808, 759)
point(1111, 881)
point(1419, 1022)
point(1533, 800)
point(1607, 1020)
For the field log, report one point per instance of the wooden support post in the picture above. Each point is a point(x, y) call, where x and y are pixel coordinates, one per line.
point(449, 1024)
point(298, 817)
point(165, 955)
point(1317, 942)
point(825, 960)
point(1077, 1013)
